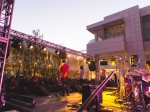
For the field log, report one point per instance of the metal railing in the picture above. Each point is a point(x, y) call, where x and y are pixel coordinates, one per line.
point(92, 96)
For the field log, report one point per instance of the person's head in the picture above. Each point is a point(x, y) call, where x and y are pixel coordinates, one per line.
point(102, 68)
point(81, 67)
point(147, 64)
point(63, 61)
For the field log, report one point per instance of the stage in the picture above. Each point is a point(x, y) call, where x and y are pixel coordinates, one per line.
point(54, 103)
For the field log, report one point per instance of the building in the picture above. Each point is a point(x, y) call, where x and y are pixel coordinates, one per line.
point(123, 33)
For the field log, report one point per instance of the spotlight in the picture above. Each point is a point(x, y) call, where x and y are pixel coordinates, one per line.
point(16, 43)
point(30, 46)
point(44, 48)
point(88, 61)
point(57, 52)
point(84, 60)
point(113, 61)
point(10, 1)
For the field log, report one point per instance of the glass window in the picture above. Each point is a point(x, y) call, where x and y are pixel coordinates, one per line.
point(147, 30)
point(114, 31)
point(146, 27)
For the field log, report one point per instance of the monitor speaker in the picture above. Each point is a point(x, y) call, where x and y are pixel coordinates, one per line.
point(87, 90)
point(103, 63)
point(92, 66)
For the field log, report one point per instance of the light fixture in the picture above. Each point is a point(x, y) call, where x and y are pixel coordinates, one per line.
point(68, 55)
point(113, 61)
point(84, 60)
point(44, 48)
point(57, 52)
point(16, 43)
point(30, 46)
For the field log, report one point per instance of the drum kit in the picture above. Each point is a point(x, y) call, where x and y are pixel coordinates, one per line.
point(134, 95)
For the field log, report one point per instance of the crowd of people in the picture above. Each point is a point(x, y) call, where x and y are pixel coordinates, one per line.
point(25, 85)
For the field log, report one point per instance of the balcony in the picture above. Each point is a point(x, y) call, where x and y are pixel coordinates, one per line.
point(106, 46)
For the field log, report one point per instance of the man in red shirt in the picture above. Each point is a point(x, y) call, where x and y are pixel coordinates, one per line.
point(64, 69)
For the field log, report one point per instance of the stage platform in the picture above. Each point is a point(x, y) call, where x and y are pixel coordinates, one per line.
point(54, 103)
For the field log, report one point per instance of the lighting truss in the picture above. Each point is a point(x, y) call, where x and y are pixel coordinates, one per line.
point(6, 12)
point(33, 39)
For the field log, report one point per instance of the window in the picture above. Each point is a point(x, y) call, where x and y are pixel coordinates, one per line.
point(114, 31)
point(146, 27)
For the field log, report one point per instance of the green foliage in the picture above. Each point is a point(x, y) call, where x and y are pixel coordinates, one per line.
point(34, 62)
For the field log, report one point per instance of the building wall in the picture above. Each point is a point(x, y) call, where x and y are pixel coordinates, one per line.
point(133, 35)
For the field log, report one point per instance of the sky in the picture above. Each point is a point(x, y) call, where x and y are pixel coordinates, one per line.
point(64, 21)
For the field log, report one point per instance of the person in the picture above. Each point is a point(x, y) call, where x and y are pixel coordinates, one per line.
point(147, 64)
point(103, 73)
point(64, 69)
point(97, 77)
point(81, 74)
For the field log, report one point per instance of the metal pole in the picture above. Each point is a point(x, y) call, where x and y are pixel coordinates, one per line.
point(99, 88)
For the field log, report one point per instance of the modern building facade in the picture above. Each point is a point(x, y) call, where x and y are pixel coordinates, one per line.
point(126, 32)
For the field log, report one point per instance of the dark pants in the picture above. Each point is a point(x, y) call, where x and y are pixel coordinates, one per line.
point(81, 81)
point(146, 99)
point(64, 81)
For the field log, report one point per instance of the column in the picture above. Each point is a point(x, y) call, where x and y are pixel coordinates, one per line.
point(96, 36)
point(97, 67)
point(96, 58)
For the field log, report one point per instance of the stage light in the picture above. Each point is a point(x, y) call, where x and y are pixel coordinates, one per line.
point(68, 55)
point(77, 58)
point(16, 43)
point(84, 60)
point(113, 61)
point(10, 1)
point(57, 52)
point(88, 60)
point(31, 47)
point(44, 48)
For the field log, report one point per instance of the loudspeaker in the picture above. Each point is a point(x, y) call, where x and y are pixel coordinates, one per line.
point(76, 87)
point(103, 63)
point(42, 91)
point(92, 66)
point(87, 90)
point(63, 55)
point(134, 60)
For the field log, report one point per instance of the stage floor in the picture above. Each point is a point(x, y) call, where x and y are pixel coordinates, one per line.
point(53, 103)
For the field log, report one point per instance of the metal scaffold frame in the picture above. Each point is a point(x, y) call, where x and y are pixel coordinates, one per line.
point(33, 39)
point(6, 13)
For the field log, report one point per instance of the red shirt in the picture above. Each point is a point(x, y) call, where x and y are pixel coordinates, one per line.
point(64, 68)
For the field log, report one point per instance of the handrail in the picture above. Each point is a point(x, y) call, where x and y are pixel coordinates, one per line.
point(87, 102)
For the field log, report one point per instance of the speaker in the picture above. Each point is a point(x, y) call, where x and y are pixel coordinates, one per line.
point(87, 90)
point(134, 60)
point(42, 91)
point(92, 66)
point(103, 63)
point(76, 88)
point(63, 55)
